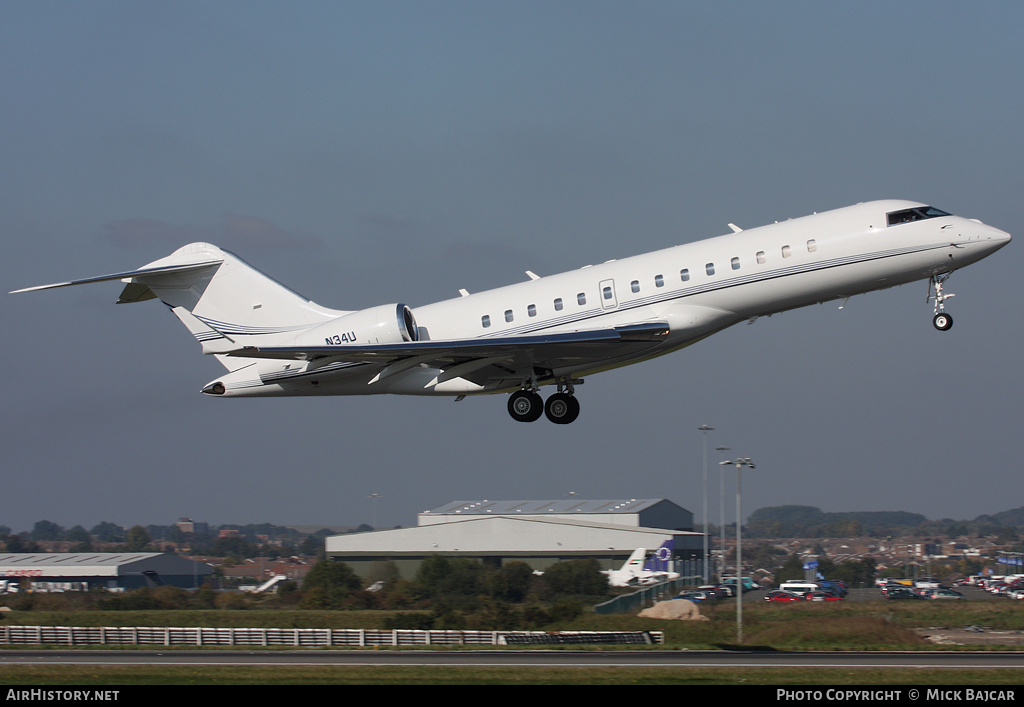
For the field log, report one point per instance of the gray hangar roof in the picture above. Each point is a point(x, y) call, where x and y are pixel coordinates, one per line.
point(96, 564)
point(632, 512)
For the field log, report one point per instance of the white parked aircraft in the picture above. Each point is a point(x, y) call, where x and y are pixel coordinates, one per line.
point(636, 571)
point(549, 330)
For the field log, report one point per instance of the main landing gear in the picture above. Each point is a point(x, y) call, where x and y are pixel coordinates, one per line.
point(527, 406)
point(941, 320)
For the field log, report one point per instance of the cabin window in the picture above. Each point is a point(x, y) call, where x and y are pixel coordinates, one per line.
point(485, 320)
point(709, 268)
point(581, 298)
point(812, 245)
point(659, 280)
point(735, 262)
point(558, 304)
point(531, 309)
point(760, 257)
point(684, 274)
point(508, 315)
point(606, 293)
point(785, 251)
point(635, 286)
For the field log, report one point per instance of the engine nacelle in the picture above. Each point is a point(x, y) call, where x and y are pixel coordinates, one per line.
point(386, 324)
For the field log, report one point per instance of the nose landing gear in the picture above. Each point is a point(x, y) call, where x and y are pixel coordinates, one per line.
point(941, 320)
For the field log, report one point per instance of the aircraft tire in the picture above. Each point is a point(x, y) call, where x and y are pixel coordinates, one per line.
point(525, 406)
point(942, 321)
point(562, 408)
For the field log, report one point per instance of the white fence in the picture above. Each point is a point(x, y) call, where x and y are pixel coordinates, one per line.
point(304, 637)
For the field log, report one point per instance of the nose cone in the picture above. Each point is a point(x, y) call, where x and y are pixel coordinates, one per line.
point(976, 241)
point(986, 239)
point(997, 239)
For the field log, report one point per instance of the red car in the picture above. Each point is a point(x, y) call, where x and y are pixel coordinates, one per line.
point(822, 596)
point(781, 596)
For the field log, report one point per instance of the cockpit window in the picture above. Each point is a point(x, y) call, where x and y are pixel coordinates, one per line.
point(919, 213)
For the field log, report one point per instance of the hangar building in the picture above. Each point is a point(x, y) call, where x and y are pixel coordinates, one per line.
point(100, 570)
point(539, 533)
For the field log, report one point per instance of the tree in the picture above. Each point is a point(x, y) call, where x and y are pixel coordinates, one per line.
point(512, 582)
point(108, 532)
point(45, 530)
point(576, 577)
point(137, 539)
point(793, 568)
point(78, 534)
point(20, 543)
point(453, 579)
point(328, 584)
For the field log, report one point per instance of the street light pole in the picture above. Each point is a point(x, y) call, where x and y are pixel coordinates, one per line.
point(704, 430)
point(373, 497)
point(739, 463)
point(721, 512)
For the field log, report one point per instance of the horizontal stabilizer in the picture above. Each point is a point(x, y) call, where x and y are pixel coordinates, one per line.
point(162, 270)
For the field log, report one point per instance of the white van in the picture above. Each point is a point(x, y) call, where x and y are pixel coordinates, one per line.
point(800, 588)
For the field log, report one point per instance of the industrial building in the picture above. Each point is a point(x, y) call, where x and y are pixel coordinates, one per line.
point(539, 533)
point(71, 571)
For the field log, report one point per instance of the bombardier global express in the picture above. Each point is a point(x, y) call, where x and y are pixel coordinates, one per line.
point(550, 330)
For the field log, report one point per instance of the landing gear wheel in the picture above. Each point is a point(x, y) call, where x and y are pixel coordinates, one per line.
point(562, 408)
point(941, 320)
point(525, 406)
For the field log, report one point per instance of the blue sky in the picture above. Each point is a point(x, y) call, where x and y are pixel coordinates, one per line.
point(373, 152)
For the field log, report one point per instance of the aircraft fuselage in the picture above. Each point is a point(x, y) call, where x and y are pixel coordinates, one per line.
point(698, 289)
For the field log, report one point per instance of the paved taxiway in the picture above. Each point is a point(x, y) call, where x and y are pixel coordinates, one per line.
point(581, 659)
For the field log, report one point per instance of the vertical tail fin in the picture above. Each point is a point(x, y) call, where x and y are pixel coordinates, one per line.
point(658, 562)
point(226, 303)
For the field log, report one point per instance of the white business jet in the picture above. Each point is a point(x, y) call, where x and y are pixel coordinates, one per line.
point(549, 330)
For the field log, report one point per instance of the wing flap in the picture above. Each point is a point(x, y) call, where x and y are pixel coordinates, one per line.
point(545, 350)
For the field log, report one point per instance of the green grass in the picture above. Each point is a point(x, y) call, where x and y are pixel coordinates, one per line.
point(869, 625)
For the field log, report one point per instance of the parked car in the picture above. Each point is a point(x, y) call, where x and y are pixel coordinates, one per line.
point(822, 596)
point(836, 586)
point(715, 592)
point(781, 596)
point(902, 593)
point(893, 580)
point(696, 596)
point(944, 594)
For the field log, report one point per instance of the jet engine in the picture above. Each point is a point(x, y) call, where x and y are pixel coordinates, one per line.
point(386, 324)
